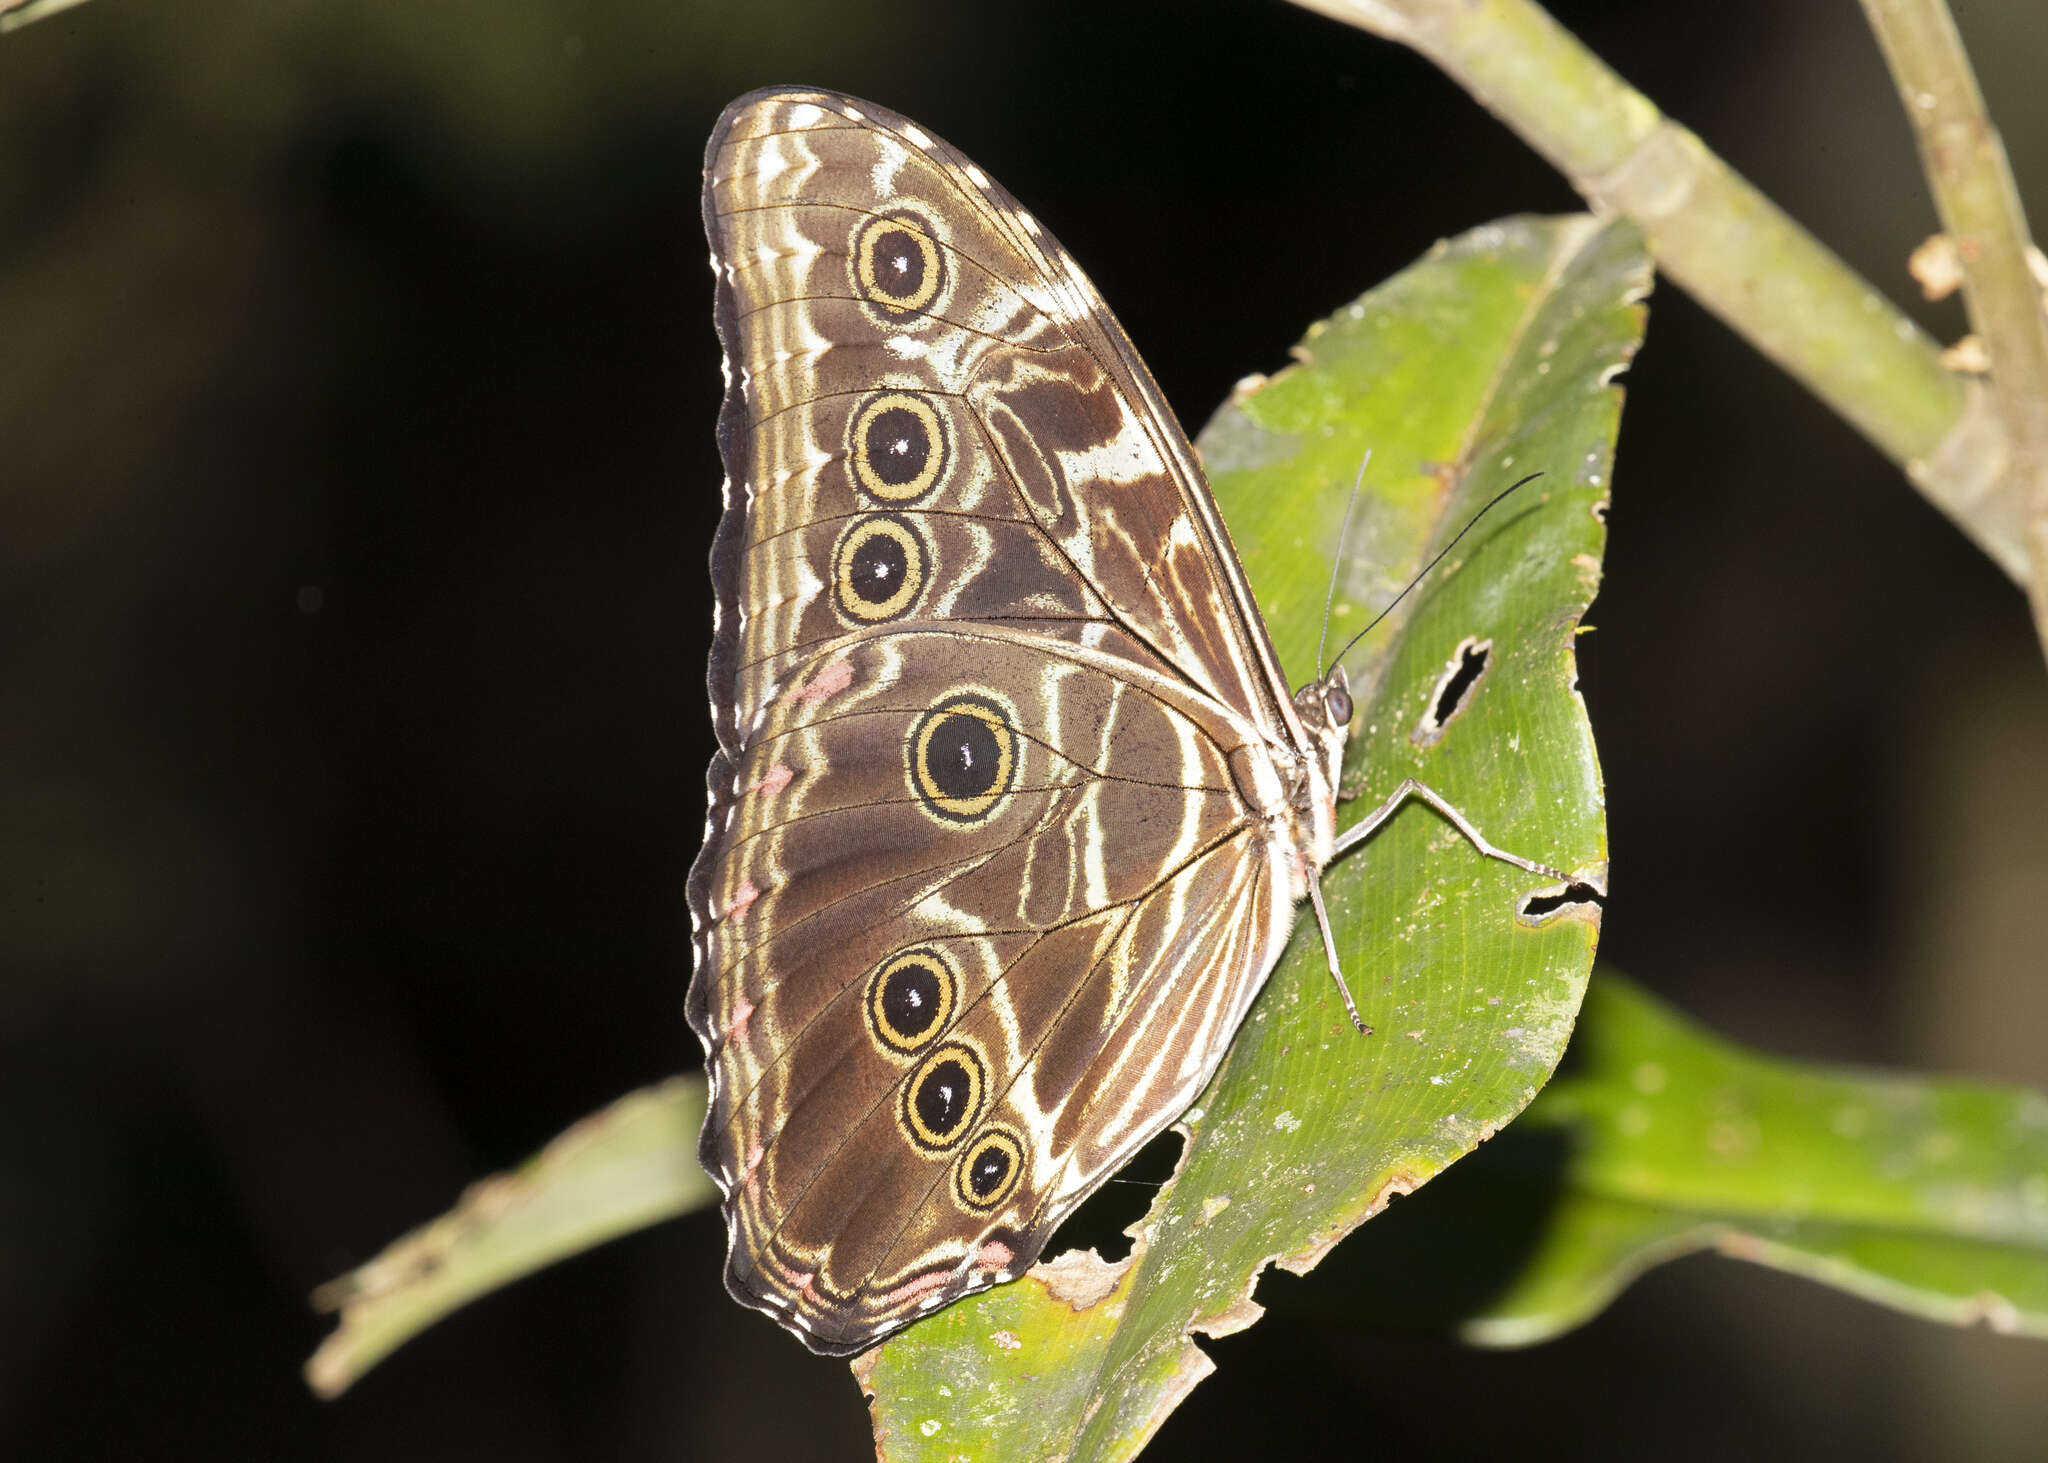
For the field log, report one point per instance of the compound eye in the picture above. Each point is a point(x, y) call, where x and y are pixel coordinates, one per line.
point(1337, 701)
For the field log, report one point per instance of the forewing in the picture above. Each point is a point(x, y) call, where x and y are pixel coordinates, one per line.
point(887, 309)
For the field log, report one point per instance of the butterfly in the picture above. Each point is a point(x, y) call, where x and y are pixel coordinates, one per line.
point(1012, 805)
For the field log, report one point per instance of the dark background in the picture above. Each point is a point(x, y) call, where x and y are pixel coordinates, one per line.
point(356, 396)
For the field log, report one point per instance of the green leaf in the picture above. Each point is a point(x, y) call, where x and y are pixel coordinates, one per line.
point(1926, 1194)
point(1491, 358)
point(623, 1168)
point(15, 13)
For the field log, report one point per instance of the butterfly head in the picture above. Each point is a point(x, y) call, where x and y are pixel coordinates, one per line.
point(1325, 708)
point(1333, 694)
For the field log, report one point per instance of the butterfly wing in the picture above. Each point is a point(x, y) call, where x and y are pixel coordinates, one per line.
point(940, 1003)
point(995, 857)
point(888, 309)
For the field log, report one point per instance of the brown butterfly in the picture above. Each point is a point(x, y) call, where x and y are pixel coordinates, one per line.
point(1012, 806)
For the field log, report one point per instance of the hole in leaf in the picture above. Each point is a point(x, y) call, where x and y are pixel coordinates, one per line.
point(1100, 1222)
point(1574, 898)
point(1454, 690)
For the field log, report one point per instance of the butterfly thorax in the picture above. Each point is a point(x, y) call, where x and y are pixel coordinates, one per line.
point(1323, 708)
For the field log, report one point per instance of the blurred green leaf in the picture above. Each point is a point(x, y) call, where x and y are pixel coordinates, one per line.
point(20, 12)
point(1492, 357)
point(623, 1168)
point(1922, 1193)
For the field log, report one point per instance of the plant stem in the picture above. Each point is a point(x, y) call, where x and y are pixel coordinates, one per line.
point(1980, 211)
point(1727, 245)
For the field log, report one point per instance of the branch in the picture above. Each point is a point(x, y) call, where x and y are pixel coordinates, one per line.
point(1980, 211)
point(1727, 245)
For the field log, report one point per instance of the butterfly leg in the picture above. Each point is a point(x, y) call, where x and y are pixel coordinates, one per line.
point(1315, 898)
point(1370, 824)
point(1364, 828)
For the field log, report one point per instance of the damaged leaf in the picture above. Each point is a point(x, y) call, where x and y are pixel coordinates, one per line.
point(1491, 358)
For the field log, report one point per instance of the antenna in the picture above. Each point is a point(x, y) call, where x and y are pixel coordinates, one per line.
point(1426, 567)
point(1337, 561)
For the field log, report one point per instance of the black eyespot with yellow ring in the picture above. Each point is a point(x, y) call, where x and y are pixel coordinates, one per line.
point(911, 999)
point(878, 567)
point(943, 1097)
point(898, 446)
point(897, 266)
point(989, 1171)
point(963, 758)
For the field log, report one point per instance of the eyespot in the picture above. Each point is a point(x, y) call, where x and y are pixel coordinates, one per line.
point(878, 567)
point(898, 446)
point(896, 266)
point(963, 757)
point(911, 998)
point(943, 1097)
point(988, 1172)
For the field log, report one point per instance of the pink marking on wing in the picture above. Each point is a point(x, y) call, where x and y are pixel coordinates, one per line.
point(911, 1289)
point(747, 1179)
point(794, 1279)
point(745, 895)
point(995, 1255)
point(774, 780)
point(830, 681)
point(738, 1025)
